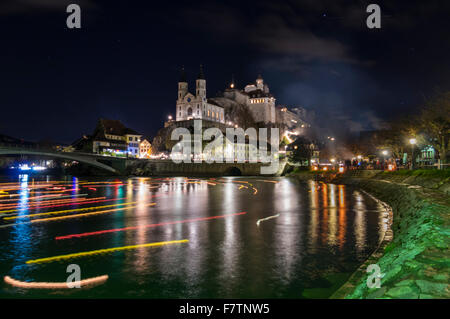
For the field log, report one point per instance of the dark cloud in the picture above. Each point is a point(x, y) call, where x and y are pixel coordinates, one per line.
point(275, 36)
point(267, 27)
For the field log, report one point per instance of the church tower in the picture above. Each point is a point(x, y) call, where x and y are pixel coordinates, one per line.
point(182, 85)
point(232, 84)
point(201, 85)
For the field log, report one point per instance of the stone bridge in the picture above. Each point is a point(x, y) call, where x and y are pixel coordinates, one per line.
point(145, 167)
point(110, 164)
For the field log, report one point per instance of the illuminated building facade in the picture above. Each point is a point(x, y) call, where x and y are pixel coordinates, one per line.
point(110, 137)
point(257, 98)
point(145, 149)
point(196, 106)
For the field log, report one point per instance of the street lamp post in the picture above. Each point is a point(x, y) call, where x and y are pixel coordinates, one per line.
point(413, 142)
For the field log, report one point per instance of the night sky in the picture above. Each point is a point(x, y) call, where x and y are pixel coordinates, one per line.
point(124, 62)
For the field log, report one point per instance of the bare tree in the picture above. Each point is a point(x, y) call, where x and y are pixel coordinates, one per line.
point(435, 123)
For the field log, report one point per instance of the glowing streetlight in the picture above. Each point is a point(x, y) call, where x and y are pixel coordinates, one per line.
point(170, 117)
point(413, 142)
point(385, 152)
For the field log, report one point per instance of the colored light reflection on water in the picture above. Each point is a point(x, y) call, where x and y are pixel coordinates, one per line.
point(317, 236)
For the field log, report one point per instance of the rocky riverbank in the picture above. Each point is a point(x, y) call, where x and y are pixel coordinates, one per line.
point(416, 262)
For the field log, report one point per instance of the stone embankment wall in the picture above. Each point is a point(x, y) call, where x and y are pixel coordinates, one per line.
point(169, 168)
point(416, 262)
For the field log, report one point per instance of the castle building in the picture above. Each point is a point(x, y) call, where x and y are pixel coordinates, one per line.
point(257, 98)
point(190, 106)
point(292, 120)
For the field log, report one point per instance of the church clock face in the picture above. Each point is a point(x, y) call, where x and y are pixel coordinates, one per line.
point(189, 99)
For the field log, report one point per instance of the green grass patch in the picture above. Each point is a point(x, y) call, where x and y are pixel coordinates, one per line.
point(432, 173)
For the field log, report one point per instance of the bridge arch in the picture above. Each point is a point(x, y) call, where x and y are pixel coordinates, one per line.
point(233, 171)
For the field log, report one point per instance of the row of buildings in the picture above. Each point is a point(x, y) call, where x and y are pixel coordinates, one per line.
point(111, 137)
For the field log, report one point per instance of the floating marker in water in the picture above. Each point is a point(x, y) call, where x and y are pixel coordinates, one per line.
point(267, 218)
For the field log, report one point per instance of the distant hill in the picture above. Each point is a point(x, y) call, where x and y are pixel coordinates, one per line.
point(5, 139)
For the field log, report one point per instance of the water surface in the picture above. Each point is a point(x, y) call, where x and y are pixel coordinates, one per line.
point(323, 232)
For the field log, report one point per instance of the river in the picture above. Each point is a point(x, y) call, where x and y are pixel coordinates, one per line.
point(244, 237)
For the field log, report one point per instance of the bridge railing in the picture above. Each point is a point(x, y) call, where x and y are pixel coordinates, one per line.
point(26, 146)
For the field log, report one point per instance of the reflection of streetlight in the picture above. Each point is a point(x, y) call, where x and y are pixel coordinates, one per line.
point(413, 142)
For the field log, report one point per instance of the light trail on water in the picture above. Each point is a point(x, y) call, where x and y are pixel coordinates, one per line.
point(73, 216)
point(68, 211)
point(104, 251)
point(146, 226)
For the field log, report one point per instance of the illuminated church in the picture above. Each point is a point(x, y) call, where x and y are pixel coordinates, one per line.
point(196, 106)
point(256, 97)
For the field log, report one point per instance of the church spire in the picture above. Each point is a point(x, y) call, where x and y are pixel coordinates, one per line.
point(232, 84)
point(201, 76)
point(183, 75)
